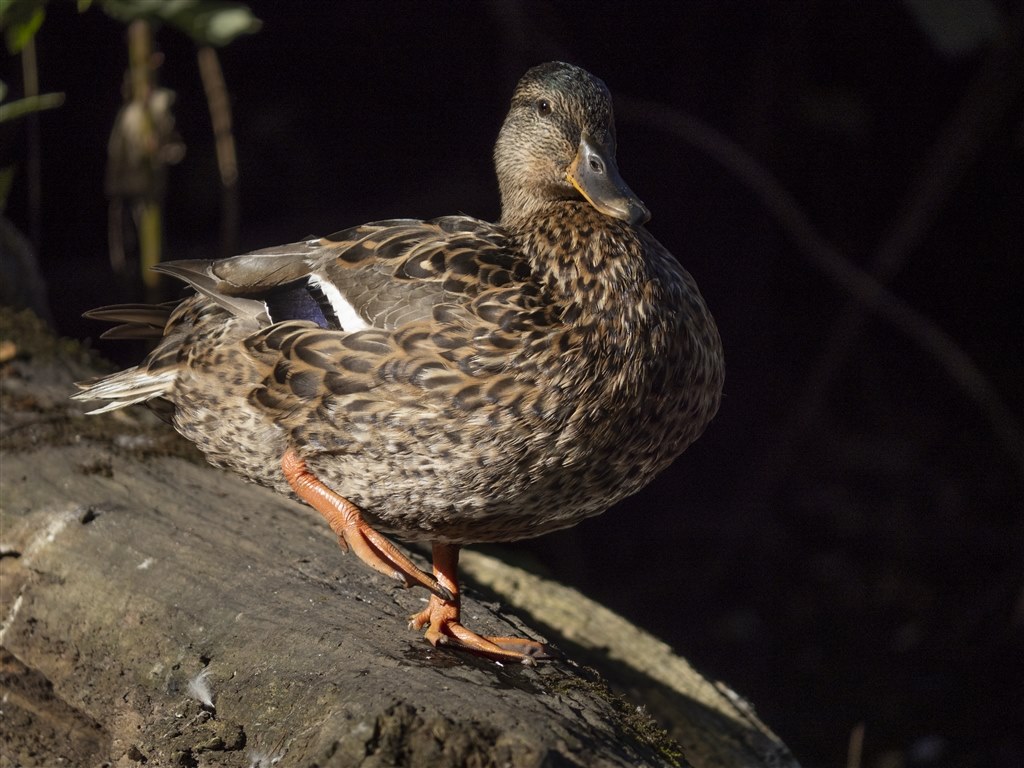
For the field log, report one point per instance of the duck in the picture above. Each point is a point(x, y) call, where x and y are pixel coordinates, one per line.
point(451, 381)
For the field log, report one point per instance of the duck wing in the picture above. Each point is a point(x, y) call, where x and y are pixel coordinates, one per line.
point(398, 305)
point(380, 275)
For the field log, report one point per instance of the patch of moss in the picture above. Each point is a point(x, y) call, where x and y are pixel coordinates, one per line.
point(631, 718)
point(36, 383)
point(32, 338)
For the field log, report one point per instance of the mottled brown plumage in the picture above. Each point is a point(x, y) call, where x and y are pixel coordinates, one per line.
point(457, 381)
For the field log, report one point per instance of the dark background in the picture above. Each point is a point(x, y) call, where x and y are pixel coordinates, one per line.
point(845, 544)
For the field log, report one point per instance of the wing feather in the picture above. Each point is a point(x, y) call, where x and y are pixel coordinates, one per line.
point(420, 287)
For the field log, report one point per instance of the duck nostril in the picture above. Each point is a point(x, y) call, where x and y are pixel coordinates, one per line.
point(596, 165)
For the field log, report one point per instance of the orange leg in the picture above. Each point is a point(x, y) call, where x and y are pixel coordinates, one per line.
point(441, 618)
point(353, 532)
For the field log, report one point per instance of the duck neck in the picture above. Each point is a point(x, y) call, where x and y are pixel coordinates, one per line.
point(591, 264)
point(617, 300)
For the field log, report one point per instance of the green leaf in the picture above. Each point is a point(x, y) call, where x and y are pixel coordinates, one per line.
point(221, 26)
point(154, 10)
point(208, 22)
point(21, 20)
point(12, 110)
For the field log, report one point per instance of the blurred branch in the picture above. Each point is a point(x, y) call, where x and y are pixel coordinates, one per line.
point(209, 23)
point(33, 161)
point(12, 110)
point(855, 747)
point(227, 162)
point(986, 102)
point(866, 290)
point(142, 144)
point(140, 54)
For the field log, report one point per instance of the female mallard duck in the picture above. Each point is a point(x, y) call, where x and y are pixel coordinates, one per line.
point(450, 380)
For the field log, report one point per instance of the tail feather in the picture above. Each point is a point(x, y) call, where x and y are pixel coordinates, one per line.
point(135, 321)
point(128, 387)
point(132, 331)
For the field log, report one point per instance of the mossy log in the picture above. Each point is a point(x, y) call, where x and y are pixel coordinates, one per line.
point(157, 611)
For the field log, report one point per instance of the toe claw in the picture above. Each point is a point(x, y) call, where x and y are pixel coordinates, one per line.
point(444, 593)
point(443, 629)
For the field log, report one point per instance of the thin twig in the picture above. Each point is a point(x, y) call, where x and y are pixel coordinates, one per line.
point(992, 92)
point(855, 747)
point(828, 259)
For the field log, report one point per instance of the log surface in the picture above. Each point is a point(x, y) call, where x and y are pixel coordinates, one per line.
point(158, 611)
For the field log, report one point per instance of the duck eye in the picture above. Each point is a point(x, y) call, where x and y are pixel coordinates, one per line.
point(543, 107)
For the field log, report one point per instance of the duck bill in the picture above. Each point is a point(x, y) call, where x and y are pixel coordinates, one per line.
point(595, 176)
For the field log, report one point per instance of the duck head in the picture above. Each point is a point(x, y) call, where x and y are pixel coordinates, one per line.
point(558, 143)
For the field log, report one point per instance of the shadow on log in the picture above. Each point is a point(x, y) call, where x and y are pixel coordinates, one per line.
point(158, 611)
